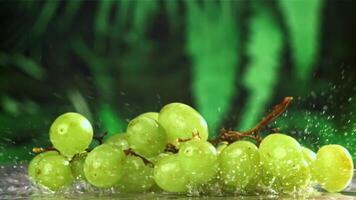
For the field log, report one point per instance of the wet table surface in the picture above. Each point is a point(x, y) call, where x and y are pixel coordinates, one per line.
point(14, 184)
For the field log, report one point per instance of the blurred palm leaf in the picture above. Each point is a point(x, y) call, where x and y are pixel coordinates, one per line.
point(26, 65)
point(303, 18)
point(264, 52)
point(47, 13)
point(213, 79)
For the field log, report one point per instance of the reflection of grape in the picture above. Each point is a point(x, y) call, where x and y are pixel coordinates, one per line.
point(169, 175)
point(239, 166)
point(198, 160)
point(71, 133)
point(119, 140)
point(77, 165)
point(146, 137)
point(103, 165)
point(138, 177)
point(333, 168)
point(180, 121)
point(53, 172)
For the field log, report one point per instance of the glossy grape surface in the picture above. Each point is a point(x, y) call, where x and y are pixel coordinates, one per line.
point(77, 165)
point(138, 176)
point(53, 172)
point(146, 137)
point(283, 163)
point(181, 121)
point(333, 168)
point(71, 133)
point(239, 166)
point(152, 115)
point(103, 166)
point(198, 159)
point(169, 175)
point(119, 140)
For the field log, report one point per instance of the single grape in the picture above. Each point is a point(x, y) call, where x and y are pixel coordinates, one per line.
point(180, 121)
point(146, 137)
point(53, 172)
point(151, 115)
point(333, 168)
point(198, 159)
point(119, 140)
point(34, 163)
point(138, 176)
point(77, 165)
point(103, 166)
point(279, 153)
point(169, 175)
point(71, 133)
point(282, 159)
point(239, 166)
point(298, 181)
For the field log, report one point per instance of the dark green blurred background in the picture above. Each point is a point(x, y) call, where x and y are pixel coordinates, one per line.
point(231, 60)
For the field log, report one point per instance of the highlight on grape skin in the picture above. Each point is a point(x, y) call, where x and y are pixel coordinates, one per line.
point(333, 168)
point(170, 152)
point(71, 133)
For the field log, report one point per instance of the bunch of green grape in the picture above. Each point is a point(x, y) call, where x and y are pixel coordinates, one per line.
point(142, 159)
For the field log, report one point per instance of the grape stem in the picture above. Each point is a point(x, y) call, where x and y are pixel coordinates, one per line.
point(100, 137)
point(171, 148)
point(130, 151)
point(231, 136)
point(41, 150)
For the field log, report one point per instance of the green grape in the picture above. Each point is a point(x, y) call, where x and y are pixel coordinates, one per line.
point(146, 137)
point(34, 163)
point(169, 175)
point(239, 166)
point(181, 121)
point(53, 172)
point(282, 159)
point(198, 160)
point(77, 165)
point(300, 180)
point(103, 166)
point(309, 157)
point(138, 176)
point(333, 168)
point(151, 115)
point(221, 147)
point(279, 153)
point(119, 140)
point(71, 133)
point(155, 159)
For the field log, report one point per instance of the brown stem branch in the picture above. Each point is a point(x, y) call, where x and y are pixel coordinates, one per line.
point(254, 133)
point(41, 150)
point(130, 151)
point(171, 148)
point(100, 138)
